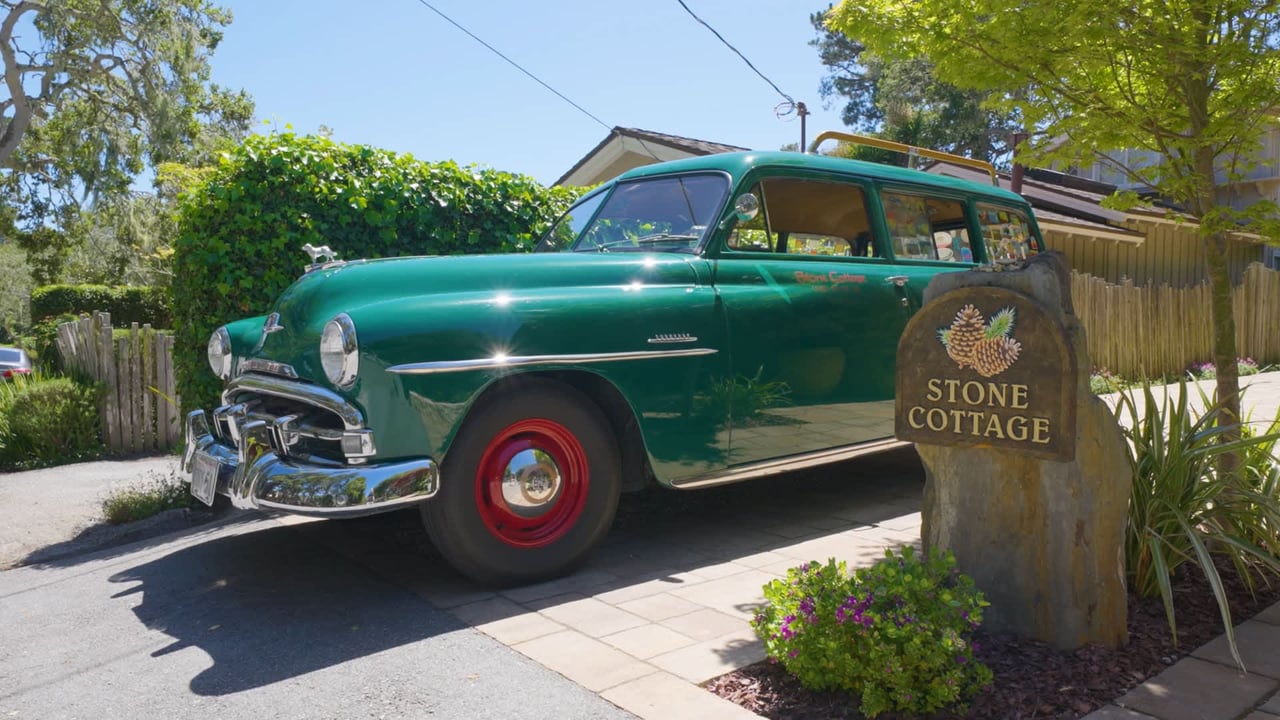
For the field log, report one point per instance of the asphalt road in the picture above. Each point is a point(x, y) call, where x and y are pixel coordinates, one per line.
point(247, 618)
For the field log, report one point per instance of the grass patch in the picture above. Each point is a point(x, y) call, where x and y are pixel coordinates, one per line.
point(149, 498)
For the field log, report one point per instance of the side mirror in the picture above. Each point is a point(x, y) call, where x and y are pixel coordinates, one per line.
point(746, 207)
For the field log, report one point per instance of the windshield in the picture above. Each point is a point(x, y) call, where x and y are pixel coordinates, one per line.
point(10, 356)
point(670, 214)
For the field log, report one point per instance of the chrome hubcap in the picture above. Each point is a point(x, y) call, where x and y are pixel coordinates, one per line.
point(531, 483)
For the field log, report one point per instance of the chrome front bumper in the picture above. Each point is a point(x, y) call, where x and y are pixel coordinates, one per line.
point(255, 476)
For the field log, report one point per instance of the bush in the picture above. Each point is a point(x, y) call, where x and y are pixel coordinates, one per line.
point(145, 500)
point(1207, 371)
point(127, 305)
point(41, 341)
point(242, 230)
point(47, 421)
point(896, 633)
point(1183, 511)
point(1104, 381)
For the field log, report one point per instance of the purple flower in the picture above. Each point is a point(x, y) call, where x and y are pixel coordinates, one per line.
point(808, 606)
point(793, 653)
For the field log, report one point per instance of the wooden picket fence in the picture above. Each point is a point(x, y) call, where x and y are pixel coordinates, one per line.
point(1153, 330)
point(140, 408)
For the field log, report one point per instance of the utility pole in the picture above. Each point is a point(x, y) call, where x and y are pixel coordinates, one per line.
point(803, 112)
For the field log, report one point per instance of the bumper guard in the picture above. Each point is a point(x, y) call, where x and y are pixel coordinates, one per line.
point(254, 476)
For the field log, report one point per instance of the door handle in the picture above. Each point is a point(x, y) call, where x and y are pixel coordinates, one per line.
point(898, 280)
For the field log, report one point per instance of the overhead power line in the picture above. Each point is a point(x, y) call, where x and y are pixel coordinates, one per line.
point(707, 25)
point(516, 65)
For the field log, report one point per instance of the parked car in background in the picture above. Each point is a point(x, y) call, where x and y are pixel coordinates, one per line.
point(687, 324)
point(14, 361)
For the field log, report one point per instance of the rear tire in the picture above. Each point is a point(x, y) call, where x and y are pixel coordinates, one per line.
point(529, 486)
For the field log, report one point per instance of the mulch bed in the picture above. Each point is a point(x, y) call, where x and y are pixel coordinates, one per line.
point(1033, 680)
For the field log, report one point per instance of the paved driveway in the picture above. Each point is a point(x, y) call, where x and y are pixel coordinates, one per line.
point(252, 619)
point(281, 617)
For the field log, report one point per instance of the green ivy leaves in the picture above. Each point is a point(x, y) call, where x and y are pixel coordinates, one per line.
point(241, 232)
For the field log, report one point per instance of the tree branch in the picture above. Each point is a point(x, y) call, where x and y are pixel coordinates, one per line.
point(22, 109)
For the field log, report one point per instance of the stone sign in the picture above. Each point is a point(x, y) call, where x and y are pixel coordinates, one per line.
point(1026, 478)
point(985, 367)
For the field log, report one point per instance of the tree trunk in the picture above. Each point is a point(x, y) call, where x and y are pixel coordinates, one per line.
point(1227, 392)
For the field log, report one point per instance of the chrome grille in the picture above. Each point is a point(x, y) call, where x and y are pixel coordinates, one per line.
point(306, 422)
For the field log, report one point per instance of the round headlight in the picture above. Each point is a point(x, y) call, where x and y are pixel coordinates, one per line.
point(220, 353)
point(339, 353)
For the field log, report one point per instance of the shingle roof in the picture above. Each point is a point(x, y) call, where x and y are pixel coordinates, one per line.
point(692, 146)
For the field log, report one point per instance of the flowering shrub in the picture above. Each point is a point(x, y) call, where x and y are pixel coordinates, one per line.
point(1207, 371)
point(896, 633)
point(1104, 381)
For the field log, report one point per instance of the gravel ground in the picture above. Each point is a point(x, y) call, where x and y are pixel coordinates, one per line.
point(55, 511)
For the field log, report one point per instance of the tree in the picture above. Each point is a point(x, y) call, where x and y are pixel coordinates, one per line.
point(95, 91)
point(902, 100)
point(1192, 82)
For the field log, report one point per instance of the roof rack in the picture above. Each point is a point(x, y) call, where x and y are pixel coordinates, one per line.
point(909, 150)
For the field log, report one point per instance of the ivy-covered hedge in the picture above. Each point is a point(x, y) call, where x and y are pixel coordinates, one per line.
point(127, 304)
point(241, 232)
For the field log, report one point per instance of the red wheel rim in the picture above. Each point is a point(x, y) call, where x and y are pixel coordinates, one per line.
point(531, 483)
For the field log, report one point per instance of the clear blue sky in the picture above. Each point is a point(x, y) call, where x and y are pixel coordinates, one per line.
point(393, 74)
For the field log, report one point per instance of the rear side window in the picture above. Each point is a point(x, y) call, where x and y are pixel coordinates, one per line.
point(926, 228)
point(807, 217)
point(1006, 233)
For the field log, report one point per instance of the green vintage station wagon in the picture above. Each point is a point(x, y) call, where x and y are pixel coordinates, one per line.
point(688, 323)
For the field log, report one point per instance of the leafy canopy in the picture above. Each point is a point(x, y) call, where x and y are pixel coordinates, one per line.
point(96, 91)
point(903, 100)
point(1189, 82)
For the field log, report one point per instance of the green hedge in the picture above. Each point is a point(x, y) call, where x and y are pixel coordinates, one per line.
point(241, 232)
point(127, 304)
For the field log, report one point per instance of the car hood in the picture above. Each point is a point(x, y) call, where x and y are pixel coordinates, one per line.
point(409, 284)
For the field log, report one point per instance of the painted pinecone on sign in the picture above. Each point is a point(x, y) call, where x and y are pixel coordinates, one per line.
point(965, 334)
point(988, 349)
point(996, 351)
point(994, 355)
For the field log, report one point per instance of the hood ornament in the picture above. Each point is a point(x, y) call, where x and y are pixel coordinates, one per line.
point(321, 257)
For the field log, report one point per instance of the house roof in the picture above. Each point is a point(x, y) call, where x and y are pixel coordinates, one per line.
point(1071, 204)
point(659, 146)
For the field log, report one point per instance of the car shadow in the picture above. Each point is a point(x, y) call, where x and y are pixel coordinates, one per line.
point(671, 539)
point(271, 604)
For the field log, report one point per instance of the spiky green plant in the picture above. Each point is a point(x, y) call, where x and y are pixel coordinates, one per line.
point(1183, 511)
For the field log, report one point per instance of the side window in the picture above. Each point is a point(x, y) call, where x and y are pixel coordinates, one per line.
point(1006, 233)
point(807, 217)
point(926, 228)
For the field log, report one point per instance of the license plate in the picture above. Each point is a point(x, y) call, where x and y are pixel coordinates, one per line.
point(204, 477)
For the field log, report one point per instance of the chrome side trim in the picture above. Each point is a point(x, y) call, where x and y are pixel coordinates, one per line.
point(352, 418)
point(505, 361)
point(789, 464)
point(255, 477)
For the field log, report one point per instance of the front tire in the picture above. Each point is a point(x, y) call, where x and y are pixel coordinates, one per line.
point(529, 486)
